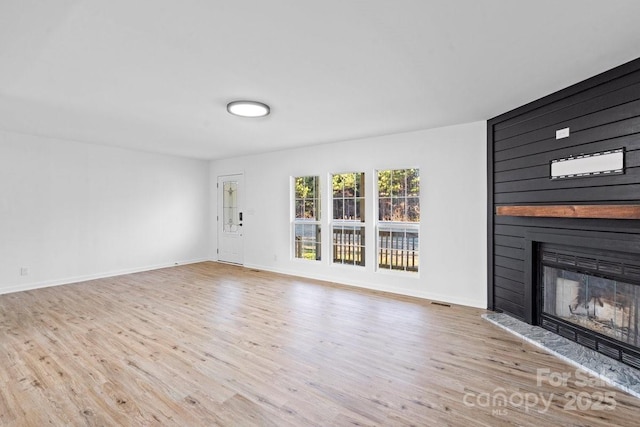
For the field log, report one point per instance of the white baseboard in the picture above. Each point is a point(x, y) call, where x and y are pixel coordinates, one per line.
point(84, 278)
point(76, 279)
point(423, 295)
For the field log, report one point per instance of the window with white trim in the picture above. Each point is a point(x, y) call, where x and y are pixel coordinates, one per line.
point(347, 223)
point(398, 222)
point(306, 218)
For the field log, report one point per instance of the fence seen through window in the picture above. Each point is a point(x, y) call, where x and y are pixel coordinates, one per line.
point(398, 220)
point(347, 226)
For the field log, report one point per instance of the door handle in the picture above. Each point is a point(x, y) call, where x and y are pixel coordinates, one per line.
point(240, 216)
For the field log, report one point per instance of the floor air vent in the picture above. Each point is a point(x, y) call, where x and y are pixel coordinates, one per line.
point(442, 304)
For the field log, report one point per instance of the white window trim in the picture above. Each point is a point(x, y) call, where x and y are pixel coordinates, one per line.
point(382, 225)
point(346, 222)
point(302, 221)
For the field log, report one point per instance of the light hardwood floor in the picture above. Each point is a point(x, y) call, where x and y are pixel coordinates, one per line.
point(213, 344)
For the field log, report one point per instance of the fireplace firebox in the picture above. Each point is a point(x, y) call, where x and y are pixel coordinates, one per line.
point(592, 297)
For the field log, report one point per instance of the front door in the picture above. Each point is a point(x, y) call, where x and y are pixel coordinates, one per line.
point(230, 231)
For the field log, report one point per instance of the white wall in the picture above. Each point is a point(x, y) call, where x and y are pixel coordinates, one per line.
point(452, 162)
point(71, 211)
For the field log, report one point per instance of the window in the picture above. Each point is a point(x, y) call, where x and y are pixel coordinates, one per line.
point(347, 226)
point(306, 220)
point(230, 207)
point(398, 219)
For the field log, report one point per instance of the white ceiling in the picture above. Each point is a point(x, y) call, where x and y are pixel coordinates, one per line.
point(156, 75)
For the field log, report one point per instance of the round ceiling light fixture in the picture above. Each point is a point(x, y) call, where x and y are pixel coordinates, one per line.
point(248, 108)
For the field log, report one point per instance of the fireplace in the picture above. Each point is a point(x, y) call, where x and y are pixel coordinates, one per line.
point(563, 189)
point(590, 296)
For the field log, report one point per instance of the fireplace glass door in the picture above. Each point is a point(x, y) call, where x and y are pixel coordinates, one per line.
point(604, 306)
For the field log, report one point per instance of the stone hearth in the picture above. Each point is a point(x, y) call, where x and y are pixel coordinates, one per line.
point(613, 372)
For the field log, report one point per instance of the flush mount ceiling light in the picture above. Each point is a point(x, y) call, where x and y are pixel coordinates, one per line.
point(248, 108)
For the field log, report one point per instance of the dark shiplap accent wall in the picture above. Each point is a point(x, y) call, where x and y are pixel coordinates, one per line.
point(603, 113)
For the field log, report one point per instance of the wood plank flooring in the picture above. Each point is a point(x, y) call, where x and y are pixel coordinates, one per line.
point(212, 344)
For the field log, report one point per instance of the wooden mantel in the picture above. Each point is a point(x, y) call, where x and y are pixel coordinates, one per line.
point(573, 211)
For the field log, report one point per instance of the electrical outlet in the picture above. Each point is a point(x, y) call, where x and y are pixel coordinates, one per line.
point(562, 133)
point(24, 271)
point(275, 257)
